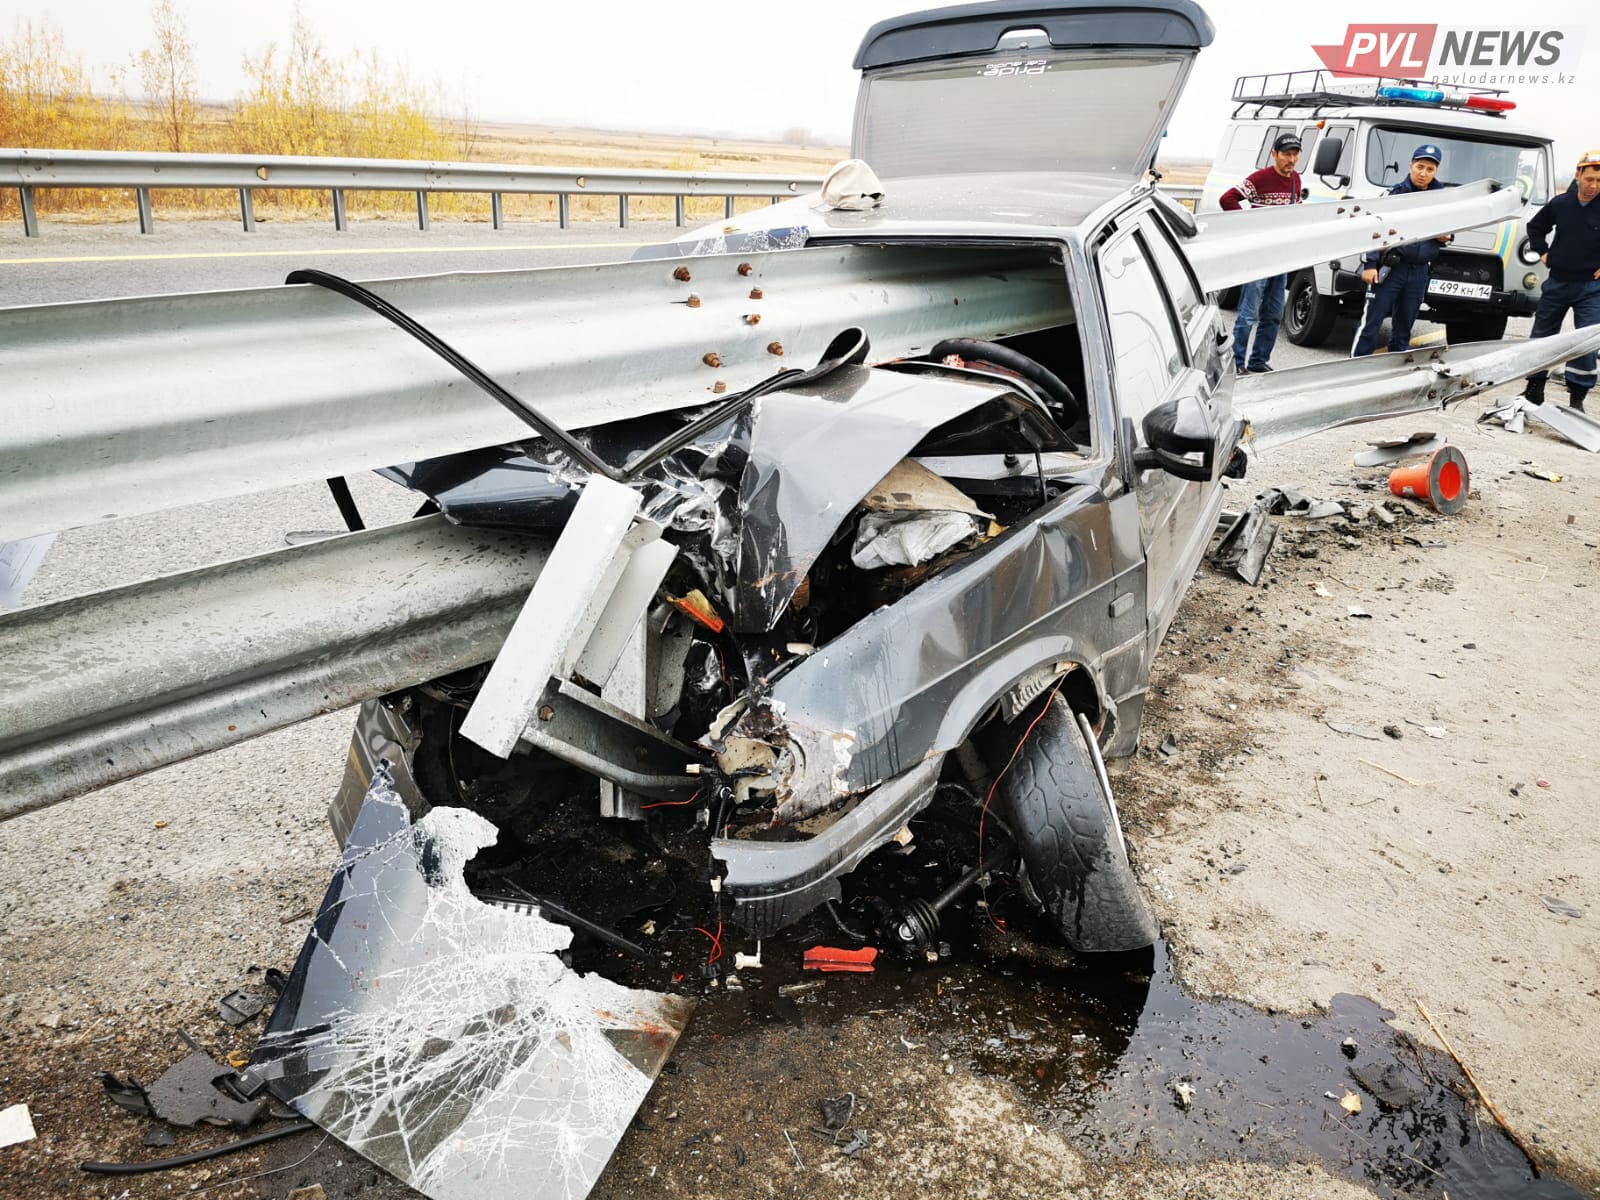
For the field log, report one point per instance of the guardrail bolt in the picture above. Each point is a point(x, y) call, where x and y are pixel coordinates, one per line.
point(775, 348)
point(756, 294)
point(546, 712)
point(752, 318)
point(718, 388)
point(693, 301)
point(711, 359)
point(681, 274)
point(745, 268)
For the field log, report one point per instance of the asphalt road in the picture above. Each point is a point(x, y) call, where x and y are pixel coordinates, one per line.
point(96, 262)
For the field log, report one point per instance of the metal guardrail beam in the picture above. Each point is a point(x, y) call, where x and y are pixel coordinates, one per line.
point(29, 170)
point(119, 407)
point(99, 694)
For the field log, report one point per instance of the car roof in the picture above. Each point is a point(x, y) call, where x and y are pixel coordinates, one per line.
point(1039, 204)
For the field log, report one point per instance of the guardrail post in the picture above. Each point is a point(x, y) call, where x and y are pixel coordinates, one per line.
point(338, 210)
point(677, 211)
point(563, 213)
point(422, 210)
point(147, 221)
point(773, 199)
point(622, 212)
point(30, 219)
point(496, 208)
point(727, 208)
point(247, 209)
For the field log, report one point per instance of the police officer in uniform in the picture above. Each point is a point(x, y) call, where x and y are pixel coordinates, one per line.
point(1397, 279)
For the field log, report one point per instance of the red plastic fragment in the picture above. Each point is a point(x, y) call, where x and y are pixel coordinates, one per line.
point(831, 958)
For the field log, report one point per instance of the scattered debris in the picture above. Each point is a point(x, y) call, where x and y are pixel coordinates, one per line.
point(1433, 731)
point(1350, 1102)
point(1482, 1095)
point(1541, 473)
point(1579, 428)
point(1360, 731)
point(1544, 783)
point(1355, 610)
point(1169, 745)
point(53, 1021)
point(1183, 1093)
point(799, 989)
point(159, 1137)
point(741, 960)
point(1349, 1047)
point(1388, 1084)
point(910, 1045)
point(837, 1111)
point(1292, 503)
point(798, 1161)
point(1396, 774)
point(1561, 907)
point(831, 958)
point(1394, 731)
point(311, 1191)
point(238, 1006)
point(1245, 545)
point(16, 1125)
point(1318, 590)
point(1392, 450)
point(856, 1144)
point(187, 1094)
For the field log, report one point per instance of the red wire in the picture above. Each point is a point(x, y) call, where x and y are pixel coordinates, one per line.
point(672, 803)
point(716, 942)
point(1026, 733)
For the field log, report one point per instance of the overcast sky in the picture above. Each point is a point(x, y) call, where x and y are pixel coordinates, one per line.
point(745, 68)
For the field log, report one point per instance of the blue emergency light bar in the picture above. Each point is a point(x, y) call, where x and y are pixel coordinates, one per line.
point(1414, 94)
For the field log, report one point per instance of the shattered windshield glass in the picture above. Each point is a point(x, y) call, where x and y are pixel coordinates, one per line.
point(443, 1037)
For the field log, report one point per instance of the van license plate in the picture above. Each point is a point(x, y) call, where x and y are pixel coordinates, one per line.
point(1451, 287)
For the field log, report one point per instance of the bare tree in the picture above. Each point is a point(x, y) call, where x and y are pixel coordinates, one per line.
point(167, 71)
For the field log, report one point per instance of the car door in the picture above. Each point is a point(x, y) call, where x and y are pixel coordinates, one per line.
point(1166, 345)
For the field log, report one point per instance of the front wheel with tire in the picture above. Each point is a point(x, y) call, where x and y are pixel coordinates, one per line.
point(1308, 315)
point(1475, 329)
point(1057, 800)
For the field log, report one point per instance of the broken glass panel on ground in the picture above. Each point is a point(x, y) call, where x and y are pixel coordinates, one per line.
point(444, 1038)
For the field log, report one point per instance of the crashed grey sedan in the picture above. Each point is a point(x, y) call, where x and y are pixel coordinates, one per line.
point(768, 613)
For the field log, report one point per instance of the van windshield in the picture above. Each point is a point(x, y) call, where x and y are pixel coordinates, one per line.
point(1389, 150)
point(1098, 112)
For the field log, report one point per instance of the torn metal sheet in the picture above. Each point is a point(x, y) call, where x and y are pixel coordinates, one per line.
point(16, 1125)
point(1232, 248)
point(1579, 428)
point(815, 454)
point(442, 1037)
point(1284, 406)
point(1247, 543)
point(1392, 450)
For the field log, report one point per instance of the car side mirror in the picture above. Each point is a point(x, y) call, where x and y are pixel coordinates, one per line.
point(1181, 439)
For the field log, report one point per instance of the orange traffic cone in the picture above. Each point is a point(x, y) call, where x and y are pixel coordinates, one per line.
point(1442, 482)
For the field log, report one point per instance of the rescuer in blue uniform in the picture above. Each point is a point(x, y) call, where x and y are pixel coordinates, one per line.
point(1397, 279)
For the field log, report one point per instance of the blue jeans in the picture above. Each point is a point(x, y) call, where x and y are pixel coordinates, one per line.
point(1261, 305)
point(1582, 296)
point(1397, 297)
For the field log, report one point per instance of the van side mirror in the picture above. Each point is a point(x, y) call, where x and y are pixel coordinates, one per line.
point(1325, 162)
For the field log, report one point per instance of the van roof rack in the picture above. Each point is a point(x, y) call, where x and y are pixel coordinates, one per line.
point(1318, 89)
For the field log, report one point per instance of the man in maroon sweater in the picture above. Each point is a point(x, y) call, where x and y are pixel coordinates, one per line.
point(1261, 302)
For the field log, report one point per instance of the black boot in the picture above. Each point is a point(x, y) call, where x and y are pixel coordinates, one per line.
point(1575, 396)
point(1533, 391)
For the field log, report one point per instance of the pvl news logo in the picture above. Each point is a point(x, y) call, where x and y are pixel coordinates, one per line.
point(1485, 56)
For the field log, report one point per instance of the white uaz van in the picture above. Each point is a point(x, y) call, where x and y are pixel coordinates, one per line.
point(1358, 135)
